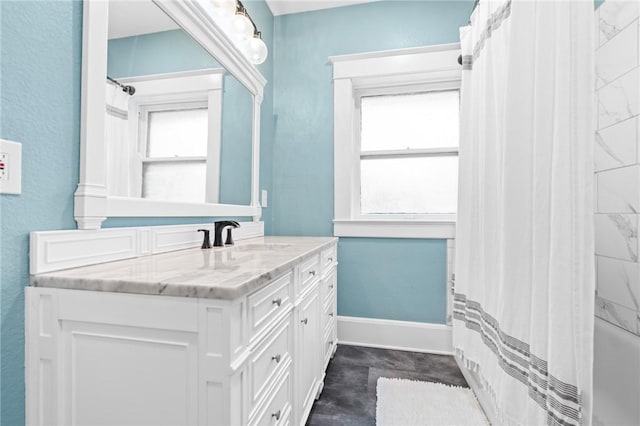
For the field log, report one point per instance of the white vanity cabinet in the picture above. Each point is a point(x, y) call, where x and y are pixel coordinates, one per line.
point(101, 357)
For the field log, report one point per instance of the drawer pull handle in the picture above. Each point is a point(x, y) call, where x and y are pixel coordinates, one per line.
point(305, 321)
point(278, 301)
point(330, 314)
point(330, 285)
point(330, 342)
point(312, 273)
point(276, 358)
point(331, 259)
point(277, 414)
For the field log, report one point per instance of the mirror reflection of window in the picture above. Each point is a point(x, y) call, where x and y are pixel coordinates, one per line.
point(174, 167)
point(189, 136)
point(175, 127)
point(178, 133)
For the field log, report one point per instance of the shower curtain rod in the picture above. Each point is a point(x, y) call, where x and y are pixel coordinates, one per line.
point(130, 90)
point(475, 5)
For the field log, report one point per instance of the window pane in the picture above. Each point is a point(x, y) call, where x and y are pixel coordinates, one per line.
point(421, 120)
point(424, 185)
point(175, 181)
point(181, 133)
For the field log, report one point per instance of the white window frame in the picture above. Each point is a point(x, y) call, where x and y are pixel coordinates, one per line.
point(432, 68)
point(182, 90)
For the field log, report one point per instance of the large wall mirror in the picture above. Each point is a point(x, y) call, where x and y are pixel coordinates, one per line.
point(170, 115)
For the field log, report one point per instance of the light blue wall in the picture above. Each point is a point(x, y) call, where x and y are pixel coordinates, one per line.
point(405, 287)
point(40, 72)
point(156, 53)
point(263, 18)
point(399, 279)
point(40, 107)
point(235, 158)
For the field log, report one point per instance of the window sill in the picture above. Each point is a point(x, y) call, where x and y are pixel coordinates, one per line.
point(368, 228)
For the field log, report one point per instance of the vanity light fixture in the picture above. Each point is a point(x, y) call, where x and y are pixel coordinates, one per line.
point(241, 26)
point(236, 21)
point(224, 8)
point(256, 49)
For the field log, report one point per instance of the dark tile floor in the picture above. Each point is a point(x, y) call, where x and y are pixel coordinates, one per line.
point(349, 394)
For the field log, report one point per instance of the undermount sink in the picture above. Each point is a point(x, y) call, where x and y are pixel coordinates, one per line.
point(261, 247)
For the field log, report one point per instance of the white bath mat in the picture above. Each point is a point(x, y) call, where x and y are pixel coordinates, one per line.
point(407, 402)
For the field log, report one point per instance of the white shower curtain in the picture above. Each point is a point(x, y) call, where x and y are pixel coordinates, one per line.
point(524, 291)
point(116, 129)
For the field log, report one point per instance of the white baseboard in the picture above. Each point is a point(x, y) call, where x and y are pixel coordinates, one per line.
point(399, 335)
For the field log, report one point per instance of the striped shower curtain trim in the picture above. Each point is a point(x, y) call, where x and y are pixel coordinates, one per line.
point(560, 400)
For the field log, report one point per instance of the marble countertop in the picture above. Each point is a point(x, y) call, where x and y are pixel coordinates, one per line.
point(218, 273)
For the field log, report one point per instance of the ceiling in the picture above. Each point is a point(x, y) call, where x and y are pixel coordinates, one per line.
point(124, 15)
point(125, 18)
point(285, 7)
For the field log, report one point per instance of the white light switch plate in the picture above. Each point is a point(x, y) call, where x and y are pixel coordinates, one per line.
point(10, 167)
point(263, 198)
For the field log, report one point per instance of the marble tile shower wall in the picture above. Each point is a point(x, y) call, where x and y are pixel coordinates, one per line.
point(617, 163)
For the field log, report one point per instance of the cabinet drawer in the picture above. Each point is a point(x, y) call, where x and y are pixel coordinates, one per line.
point(277, 408)
point(329, 343)
point(328, 259)
point(329, 287)
point(265, 304)
point(328, 316)
point(309, 273)
point(268, 359)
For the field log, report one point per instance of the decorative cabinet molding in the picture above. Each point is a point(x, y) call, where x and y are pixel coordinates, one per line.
point(121, 358)
point(56, 250)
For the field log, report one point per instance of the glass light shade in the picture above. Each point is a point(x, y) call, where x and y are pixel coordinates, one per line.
point(256, 50)
point(224, 8)
point(241, 27)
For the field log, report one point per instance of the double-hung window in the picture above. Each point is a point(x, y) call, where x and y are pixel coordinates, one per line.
point(174, 140)
point(396, 143)
point(409, 154)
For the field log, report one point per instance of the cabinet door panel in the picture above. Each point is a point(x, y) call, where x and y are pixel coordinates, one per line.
point(309, 351)
point(119, 375)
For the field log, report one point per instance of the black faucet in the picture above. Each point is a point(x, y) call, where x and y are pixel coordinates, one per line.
point(219, 226)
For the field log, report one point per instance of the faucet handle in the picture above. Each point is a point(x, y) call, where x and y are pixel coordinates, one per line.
point(206, 242)
point(229, 241)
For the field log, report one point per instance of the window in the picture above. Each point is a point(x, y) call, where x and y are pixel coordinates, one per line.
point(396, 135)
point(174, 151)
point(408, 154)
